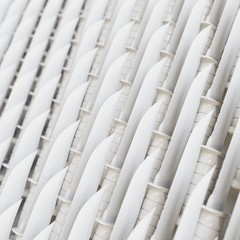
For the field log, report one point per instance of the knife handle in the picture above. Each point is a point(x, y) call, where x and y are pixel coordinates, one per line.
point(27, 207)
point(236, 117)
point(236, 181)
point(207, 105)
point(119, 130)
point(103, 231)
point(204, 25)
point(109, 181)
point(207, 9)
point(237, 111)
point(155, 198)
point(231, 130)
point(208, 158)
point(165, 96)
point(60, 219)
point(168, 56)
point(206, 61)
point(159, 141)
point(210, 224)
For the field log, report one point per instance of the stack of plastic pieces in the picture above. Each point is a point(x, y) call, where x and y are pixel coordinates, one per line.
point(119, 119)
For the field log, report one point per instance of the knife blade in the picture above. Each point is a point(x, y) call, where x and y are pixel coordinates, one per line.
point(13, 185)
point(227, 61)
point(227, 172)
point(85, 220)
point(187, 12)
point(150, 57)
point(133, 159)
point(181, 181)
point(216, 11)
point(102, 126)
point(131, 204)
point(116, 49)
point(187, 38)
point(185, 79)
point(28, 142)
point(233, 225)
point(43, 209)
point(69, 110)
point(227, 111)
point(189, 218)
point(182, 130)
point(7, 219)
point(88, 183)
point(143, 103)
point(154, 22)
point(223, 29)
point(190, 31)
point(108, 87)
point(45, 233)
point(140, 231)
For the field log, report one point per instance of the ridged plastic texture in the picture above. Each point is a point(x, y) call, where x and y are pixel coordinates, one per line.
point(100, 102)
